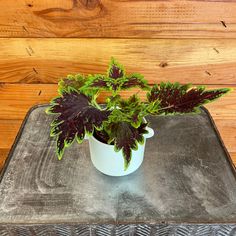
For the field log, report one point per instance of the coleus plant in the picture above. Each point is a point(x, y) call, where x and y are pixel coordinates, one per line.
point(118, 121)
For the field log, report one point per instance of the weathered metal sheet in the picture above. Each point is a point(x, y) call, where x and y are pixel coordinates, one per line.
point(185, 186)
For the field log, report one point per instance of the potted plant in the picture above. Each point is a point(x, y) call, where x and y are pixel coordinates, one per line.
point(117, 129)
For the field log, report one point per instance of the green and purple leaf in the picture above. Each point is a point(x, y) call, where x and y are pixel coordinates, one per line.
point(133, 109)
point(135, 80)
point(115, 70)
point(126, 138)
point(76, 117)
point(176, 98)
point(97, 82)
point(115, 80)
point(74, 82)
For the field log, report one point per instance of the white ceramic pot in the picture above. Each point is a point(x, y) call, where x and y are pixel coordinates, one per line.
point(109, 162)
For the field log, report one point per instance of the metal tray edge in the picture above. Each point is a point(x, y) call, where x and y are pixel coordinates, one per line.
point(6, 163)
point(228, 157)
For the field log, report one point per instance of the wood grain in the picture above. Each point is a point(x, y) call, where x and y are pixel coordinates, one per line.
point(227, 129)
point(121, 18)
point(9, 130)
point(3, 156)
point(205, 61)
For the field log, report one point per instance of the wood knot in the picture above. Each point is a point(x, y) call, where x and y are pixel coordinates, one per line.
point(90, 4)
point(163, 64)
point(30, 5)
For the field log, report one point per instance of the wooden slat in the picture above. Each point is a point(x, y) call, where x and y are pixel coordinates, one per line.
point(16, 99)
point(8, 131)
point(120, 18)
point(3, 156)
point(227, 129)
point(205, 61)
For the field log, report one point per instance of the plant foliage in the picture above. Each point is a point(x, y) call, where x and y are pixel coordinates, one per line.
point(176, 98)
point(119, 121)
point(76, 117)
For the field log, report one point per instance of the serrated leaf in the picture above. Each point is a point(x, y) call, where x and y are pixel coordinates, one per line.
point(71, 82)
point(131, 103)
point(126, 138)
point(115, 70)
point(176, 98)
point(112, 101)
point(135, 80)
point(96, 82)
point(133, 109)
point(75, 117)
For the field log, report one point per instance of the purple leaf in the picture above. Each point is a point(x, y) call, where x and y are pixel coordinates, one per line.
point(126, 138)
point(98, 81)
point(115, 70)
point(76, 117)
point(135, 80)
point(71, 82)
point(94, 84)
point(176, 98)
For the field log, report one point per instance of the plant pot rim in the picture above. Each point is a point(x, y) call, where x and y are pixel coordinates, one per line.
point(98, 141)
point(112, 145)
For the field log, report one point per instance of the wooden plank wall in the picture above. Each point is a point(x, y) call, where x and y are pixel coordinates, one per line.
point(186, 41)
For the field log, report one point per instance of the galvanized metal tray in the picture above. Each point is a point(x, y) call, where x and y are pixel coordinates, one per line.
point(185, 186)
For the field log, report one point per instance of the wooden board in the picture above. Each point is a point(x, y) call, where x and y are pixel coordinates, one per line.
point(205, 61)
point(3, 156)
point(8, 132)
point(120, 18)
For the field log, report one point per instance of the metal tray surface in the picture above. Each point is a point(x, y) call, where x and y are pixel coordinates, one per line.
point(187, 182)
